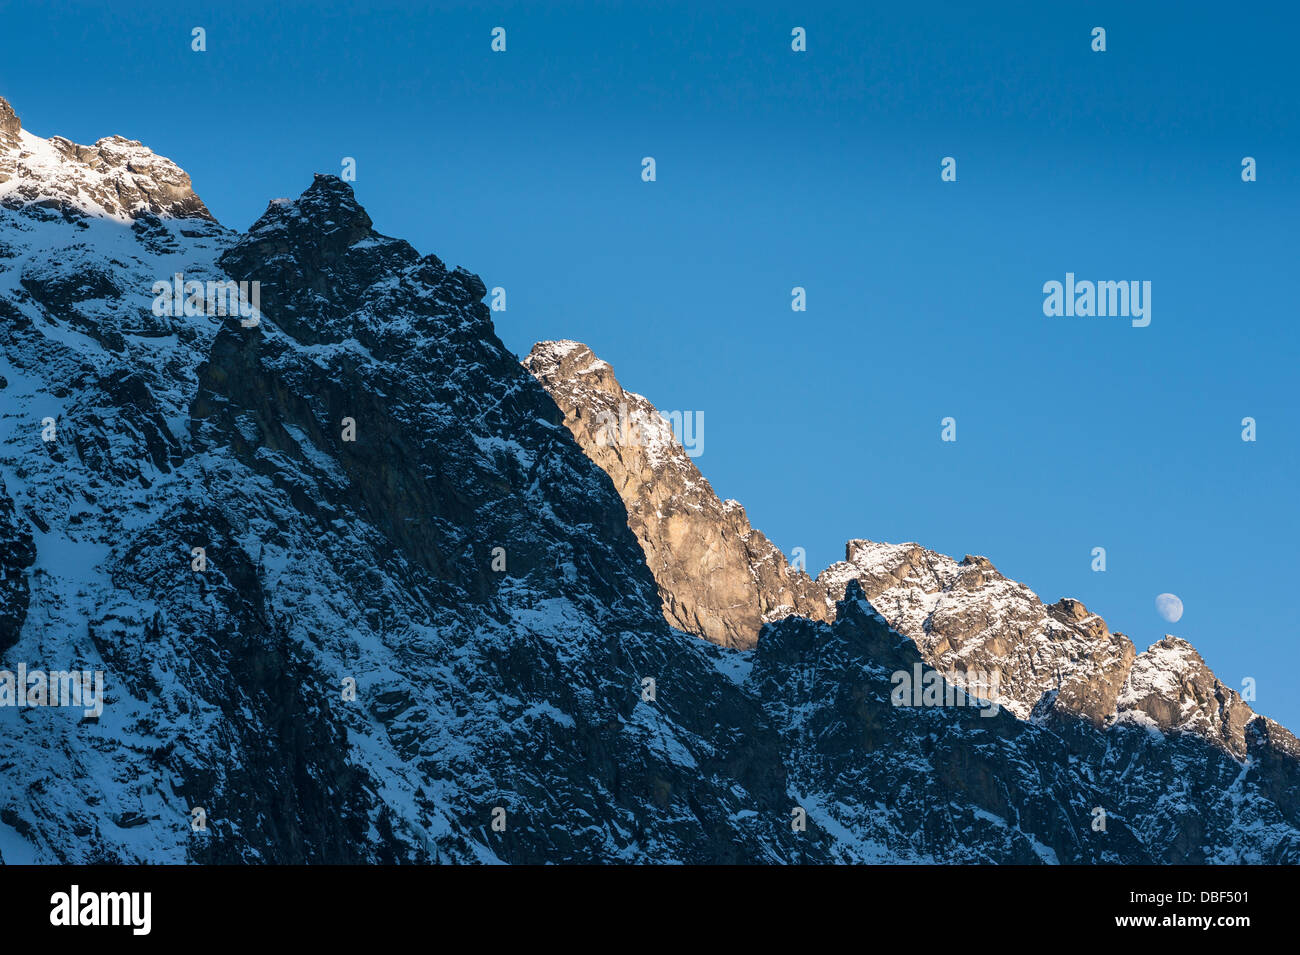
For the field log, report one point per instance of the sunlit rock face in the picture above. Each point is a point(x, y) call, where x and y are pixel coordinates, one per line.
point(964, 615)
point(718, 577)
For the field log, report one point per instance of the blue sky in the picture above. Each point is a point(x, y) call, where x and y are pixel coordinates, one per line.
point(821, 169)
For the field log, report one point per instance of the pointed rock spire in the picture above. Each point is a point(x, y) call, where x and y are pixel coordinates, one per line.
point(10, 125)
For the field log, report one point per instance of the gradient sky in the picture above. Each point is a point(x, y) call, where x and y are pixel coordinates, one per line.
point(821, 169)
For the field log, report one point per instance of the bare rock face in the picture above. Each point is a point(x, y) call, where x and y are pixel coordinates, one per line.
point(965, 616)
point(10, 131)
point(718, 576)
point(10, 126)
point(117, 177)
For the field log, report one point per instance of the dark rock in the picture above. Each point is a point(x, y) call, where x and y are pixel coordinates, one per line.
point(17, 554)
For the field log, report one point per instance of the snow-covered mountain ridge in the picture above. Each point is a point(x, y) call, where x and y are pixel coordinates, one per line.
point(422, 629)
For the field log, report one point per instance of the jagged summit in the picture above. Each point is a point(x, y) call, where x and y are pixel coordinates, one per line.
point(722, 580)
point(116, 178)
point(326, 275)
point(718, 577)
point(966, 615)
point(315, 257)
point(329, 202)
point(1170, 687)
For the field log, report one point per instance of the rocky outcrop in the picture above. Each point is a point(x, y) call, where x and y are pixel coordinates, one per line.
point(1170, 688)
point(10, 139)
point(718, 577)
point(116, 177)
point(964, 615)
point(10, 127)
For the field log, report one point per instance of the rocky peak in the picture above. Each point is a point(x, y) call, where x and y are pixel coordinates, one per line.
point(117, 178)
point(965, 615)
point(328, 207)
point(718, 577)
point(314, 258)
point(1068, 609)
point(564, 360)
point(10, 126)
point(1171, 688)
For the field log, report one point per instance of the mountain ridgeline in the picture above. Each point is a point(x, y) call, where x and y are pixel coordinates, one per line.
point(365, 588)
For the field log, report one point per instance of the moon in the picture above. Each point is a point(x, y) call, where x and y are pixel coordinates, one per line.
point(1169, 607)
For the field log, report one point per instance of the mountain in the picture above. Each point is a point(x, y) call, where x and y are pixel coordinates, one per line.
point(724, 581)
point(358, 595)
point(327, 561)
point(718, 577)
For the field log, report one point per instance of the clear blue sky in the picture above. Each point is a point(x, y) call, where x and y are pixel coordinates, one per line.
point(821, 169)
